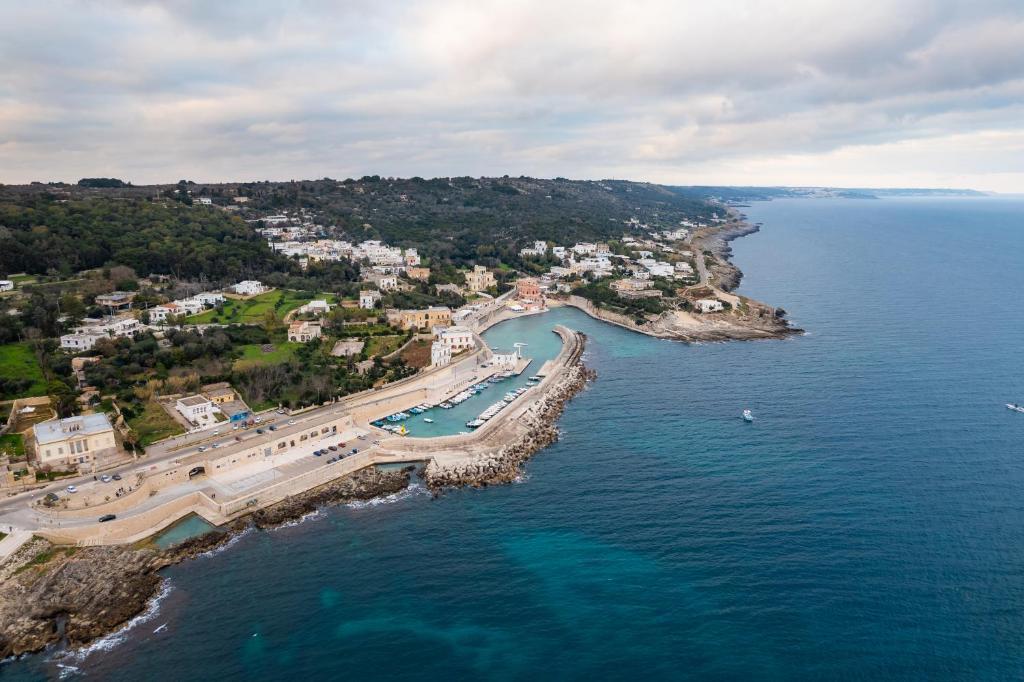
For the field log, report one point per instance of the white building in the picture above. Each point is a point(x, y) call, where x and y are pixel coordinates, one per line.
point(383, 282)
point(505, 361)
point(558, 251)
point(317, 307)
point(209, 298)
point(585, 249)
point(457, 338)
point(197, 409)
point(249, 287)
point(440, 354)
point(73, 441)
point(6, 285)
point(205, 201)
point(708, 305)
point(85, 336)
point(160, 313)
point(368, 299)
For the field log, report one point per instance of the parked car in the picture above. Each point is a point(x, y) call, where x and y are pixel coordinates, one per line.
point(107, 517)
point(258, 419)
point(216, 432)
point(259, 430)
point(273, 427)
point(234, 427)
point(362, 437)
point(353, 451)
point(116, 477)
point(291, 422)
point(202, 448)
point(71, 489)
point(318, 453)
point(105, 478)
point(215, 445)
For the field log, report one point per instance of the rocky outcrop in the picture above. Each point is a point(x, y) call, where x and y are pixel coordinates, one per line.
point(363, 485)
point(71, 595)
point(504, 464)
point(726, 275)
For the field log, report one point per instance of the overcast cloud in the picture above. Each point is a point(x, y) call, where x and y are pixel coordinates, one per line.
point(802, 92)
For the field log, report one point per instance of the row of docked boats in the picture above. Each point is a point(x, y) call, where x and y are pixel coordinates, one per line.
point(497, 407)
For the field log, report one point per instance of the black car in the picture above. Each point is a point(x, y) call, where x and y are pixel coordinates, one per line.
point(332, 448)
point(259, 430)
point(116, 477)
point(273, 428)
point(107, 517)
point(319, 453)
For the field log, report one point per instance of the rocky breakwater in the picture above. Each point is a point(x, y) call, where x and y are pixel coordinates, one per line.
point(69, 596)
point(501, 462)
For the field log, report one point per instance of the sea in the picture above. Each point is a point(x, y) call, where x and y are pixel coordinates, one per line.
point(869, 524)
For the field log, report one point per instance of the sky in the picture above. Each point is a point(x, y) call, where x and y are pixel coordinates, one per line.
point(907, 93)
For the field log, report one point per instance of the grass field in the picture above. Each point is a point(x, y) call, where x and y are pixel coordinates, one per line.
point(18, 362)
point(154, 424)
point(382, 345)
point(251, 311)
point(253, 355)
point(13, 444)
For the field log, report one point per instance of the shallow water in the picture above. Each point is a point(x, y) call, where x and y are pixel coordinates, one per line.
point(869, 524)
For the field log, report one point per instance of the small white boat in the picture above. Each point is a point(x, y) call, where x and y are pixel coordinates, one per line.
point(1015, 407)
point(748, 416)
point(428, 420)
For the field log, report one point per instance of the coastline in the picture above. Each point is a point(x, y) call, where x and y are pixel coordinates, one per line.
point(748, 320)
point(70, 596)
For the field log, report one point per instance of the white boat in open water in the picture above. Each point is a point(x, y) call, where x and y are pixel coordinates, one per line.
point(1015, 407)
point(748, 416)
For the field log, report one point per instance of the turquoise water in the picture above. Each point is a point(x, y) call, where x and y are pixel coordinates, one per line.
point(868, 525)
point(543, 344)
point(191, 526)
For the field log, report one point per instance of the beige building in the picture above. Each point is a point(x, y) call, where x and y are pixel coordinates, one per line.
point(421, 319)
point(422, 274)
point(302, 331)
point(73, 441)
point(480, 279)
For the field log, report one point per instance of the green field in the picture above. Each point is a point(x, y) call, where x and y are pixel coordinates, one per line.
point(253, 355)
point(382, 345)
point(18, 362)
point(13, 445)
point(154, 424)
point(251, 311)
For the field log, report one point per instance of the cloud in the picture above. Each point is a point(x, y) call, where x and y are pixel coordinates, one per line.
point(684, 92)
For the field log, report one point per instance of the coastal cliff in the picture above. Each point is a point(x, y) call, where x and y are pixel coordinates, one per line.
point(70, 596)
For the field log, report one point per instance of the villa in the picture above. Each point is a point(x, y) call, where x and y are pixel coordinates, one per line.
point(302, 331)
point(73, 441)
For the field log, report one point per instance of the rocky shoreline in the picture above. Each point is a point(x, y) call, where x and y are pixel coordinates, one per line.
point(70, 596)
point(504, 464)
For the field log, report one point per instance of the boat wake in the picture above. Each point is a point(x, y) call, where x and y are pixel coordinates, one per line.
point(413, 490)
point(66, 659)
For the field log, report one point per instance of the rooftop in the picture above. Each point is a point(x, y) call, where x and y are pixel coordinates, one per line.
point(60, 429)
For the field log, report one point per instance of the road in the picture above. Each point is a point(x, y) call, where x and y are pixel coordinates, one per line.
point(163, 455)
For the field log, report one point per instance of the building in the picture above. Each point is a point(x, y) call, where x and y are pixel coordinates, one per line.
point(505, 361)
point(480, 279)
point(73, 441)
point(249, 287)
point(412, 258)
point(421, 319)
point(634, 288)
point(302, 331)
point(708, 305)
point(440, 354)
point(317, 307)
point(160, 313)
point(116, 300)
point(368, 299)
point(421, 274)
point(456, 338)
point(85, 336)
point(220, 393)
point(383, 281)
point(197, 409)
point(527, 288)
point(209, 298)
point(6, 285)
point(205, 201)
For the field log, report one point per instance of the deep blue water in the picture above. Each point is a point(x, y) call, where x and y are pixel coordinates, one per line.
point(869, 524)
